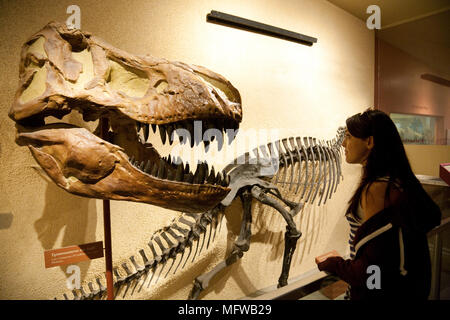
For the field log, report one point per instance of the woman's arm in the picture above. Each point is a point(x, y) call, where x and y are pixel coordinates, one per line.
point(381, 251)
point(351, 271)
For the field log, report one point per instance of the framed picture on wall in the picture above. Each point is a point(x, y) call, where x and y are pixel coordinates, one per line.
point(415, 129)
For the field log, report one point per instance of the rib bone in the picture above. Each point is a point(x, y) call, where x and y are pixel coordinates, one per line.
point(300, 144)
point(329, 178)
point(291, 161)
point(299, 157)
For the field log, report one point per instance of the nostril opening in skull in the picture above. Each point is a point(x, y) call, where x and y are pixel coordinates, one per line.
point(76, 41)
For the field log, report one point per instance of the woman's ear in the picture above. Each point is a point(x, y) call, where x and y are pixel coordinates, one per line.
point(370, 143)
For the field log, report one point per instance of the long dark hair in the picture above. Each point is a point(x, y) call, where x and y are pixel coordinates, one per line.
point(387, 157)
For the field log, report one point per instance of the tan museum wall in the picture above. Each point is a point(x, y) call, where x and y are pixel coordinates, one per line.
point(294, 89)
point(425, 159)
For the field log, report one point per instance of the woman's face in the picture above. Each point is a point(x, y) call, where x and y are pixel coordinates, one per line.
point(356, 150)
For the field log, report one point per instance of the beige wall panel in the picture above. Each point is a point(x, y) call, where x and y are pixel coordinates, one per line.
point(425, 159)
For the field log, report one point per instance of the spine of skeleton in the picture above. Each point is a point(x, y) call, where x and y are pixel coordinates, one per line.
point(169, 250)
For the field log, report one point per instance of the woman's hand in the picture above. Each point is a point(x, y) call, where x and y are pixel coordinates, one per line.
point(327, 261)
point(327, 255)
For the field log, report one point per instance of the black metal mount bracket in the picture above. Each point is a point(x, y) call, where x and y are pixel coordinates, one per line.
point(257, 27)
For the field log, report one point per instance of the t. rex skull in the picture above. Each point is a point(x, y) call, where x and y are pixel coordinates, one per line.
point(63, 70)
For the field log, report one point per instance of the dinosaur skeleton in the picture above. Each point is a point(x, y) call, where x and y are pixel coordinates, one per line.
point(63, 70)
point(247, 181)
point(180, 242)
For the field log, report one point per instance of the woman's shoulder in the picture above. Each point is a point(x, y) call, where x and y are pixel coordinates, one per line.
point(379, 187)
point(376, 196)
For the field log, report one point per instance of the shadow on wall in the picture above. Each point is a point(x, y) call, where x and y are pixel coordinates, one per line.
point(268, 229)
point(75, 216)
point(233, 219)
point(264, 219)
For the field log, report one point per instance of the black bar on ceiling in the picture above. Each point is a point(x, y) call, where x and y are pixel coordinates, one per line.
point(249, 25)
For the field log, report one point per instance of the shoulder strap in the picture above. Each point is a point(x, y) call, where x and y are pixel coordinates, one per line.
point(396, 182)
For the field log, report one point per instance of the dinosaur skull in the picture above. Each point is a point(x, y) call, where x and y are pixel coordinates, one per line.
point(63, 70)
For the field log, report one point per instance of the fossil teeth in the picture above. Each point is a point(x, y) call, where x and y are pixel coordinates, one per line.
point(148, 166)
point(170, 129)
point(138, 126)
point(212, 177)
point(177, 160)
point(206, 144)
point(162, 169)
point(205, 164)
point(197, 175)
point(170, 174)
point(219, 178)
point(162, 133)
point(179, 173)
point(186, 169)
point(200, 173)
point(154, 127)
point(146, 132)
point(190, 129)
point(155, 170)
point(179, 128)
point(189, 177)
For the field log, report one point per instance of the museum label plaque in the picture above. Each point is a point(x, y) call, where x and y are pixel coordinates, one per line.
point(73, 254)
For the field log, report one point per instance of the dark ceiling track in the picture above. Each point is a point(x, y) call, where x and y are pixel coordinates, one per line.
point(253, 26)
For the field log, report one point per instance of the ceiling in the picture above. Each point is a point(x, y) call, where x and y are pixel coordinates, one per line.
point(393, 12)
point(419, 27)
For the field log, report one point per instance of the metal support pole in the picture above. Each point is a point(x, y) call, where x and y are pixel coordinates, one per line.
point(107, 227)
point(108, 250)
point(437, 255)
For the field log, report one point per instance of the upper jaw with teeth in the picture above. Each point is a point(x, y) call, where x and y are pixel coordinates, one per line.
point(63, 70)
point(173, 168)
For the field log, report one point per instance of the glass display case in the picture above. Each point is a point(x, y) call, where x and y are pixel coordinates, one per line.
point(416, 129)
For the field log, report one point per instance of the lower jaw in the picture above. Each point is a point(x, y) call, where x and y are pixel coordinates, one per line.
point(122, 180)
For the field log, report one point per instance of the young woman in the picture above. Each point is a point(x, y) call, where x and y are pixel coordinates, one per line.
point(389, 215)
